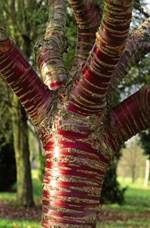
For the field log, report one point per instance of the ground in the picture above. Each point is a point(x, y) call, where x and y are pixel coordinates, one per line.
point(135, 212)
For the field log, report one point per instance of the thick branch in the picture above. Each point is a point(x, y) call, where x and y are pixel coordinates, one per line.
point(87, 15)
point(89, 96)
point(50, 52)
point(34, 96)
point(137, 46)
point(129, 117)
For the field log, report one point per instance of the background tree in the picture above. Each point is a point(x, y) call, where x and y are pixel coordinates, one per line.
point(132, 162)
point(80, 132)
point(137, 75)
point(145, 139)
point(5, 104)
point(22, 19)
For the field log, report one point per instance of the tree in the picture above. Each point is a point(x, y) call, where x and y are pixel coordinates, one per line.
point(5, 113)
point(13, 11)
point(145, 140)
point(80, 132)
point(112, 192)
point(132, 162)
point(20, 16)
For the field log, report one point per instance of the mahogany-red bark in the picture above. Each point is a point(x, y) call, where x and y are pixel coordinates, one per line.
point(79, 135)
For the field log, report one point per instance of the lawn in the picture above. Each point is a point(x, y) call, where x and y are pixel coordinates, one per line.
point(135, 212)
point(6, 223)
point(12, 216)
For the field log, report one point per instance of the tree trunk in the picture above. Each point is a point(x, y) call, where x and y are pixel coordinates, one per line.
point(79, 133)
point(22, 154)
point(133, 174)
point(147, 172)
point(74, 173)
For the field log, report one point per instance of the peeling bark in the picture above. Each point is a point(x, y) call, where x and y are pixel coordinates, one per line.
point(88, 16)
point(34, 96)
point(50, 53)
point(79, 145)
point(130, 117)
point(138, 45)
point(89, 95)
point(74, 174)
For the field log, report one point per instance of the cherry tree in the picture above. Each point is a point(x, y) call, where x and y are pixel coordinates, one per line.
point(71, 111)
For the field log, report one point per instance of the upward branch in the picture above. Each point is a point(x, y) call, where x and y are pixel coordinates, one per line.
point(129, 117)
point(34, 96)
point(87, 15)
point(50, 52)
point(89, 96)
point(137, 46)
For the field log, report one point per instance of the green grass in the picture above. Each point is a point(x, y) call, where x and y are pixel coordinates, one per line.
point(135, 210)
point(6, 223)
point(137, 197)
point(10, 197)
point(128, 224)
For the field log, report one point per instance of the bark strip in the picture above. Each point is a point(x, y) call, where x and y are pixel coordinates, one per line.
point(137, 47)
point(89, 96)
point(88, 16)
point(74, 174)
point(50, 51)
point(33, 94)
point(130, 117)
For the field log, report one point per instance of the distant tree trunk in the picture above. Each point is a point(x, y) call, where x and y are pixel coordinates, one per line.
point(147, 172)
point(21, 144)
point(41, 160)
point(133, 173)
point(22, 153)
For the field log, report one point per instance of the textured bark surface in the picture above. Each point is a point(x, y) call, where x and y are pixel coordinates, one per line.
point(88, 16)
point(34, 96)
point(74, 173)
point(89, 96)
point(137, 47)
point(50, 52)
point(79, 135)
point(130, 117)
